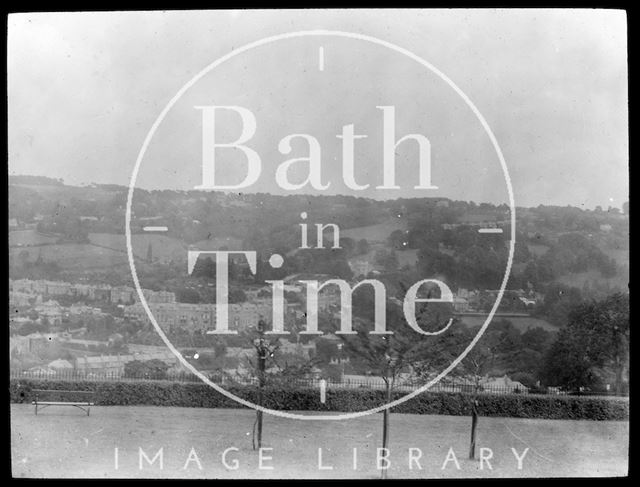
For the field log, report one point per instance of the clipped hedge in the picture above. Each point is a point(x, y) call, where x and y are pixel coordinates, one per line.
point(176, 394)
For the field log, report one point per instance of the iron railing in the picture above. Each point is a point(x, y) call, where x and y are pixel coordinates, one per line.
point(373, 383)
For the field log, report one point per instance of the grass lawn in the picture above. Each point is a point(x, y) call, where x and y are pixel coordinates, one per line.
point(24, 238)
point(63, 442)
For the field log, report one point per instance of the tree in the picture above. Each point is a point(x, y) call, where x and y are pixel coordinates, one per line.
point(348, 244)
point(536, 339)
point(559, 301)
point(525, 378)
point(237, 295)
point(397, 240)
point(596, 337)
point(387, 356)
point(264, 349)
point(187, 295)
point(521, 251)
point(31, 327)
point(501, 342)
point(363, 246)
point(432, 262)
point(387, 259)
point(204, 267)
point(268, 356)
point(326, 350)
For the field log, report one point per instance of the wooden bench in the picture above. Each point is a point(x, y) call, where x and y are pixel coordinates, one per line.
point(39, 403)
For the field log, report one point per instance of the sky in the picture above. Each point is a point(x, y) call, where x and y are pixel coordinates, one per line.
point(84, 90)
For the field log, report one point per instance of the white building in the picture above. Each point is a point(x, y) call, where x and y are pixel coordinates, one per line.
point(58, 288)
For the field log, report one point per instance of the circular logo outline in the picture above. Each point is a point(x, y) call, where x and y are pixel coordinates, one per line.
point(269, 40)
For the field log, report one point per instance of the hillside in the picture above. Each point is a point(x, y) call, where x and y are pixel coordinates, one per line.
point(82, 228)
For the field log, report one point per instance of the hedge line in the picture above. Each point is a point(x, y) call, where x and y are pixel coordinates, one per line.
point(165, 393)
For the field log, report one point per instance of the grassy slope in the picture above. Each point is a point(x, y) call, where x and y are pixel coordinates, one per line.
point(379, 232)
point(29, 237)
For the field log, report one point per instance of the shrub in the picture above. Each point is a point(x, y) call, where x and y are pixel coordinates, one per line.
point(175, 394)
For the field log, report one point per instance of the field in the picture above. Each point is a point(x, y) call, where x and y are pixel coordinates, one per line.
point(25, 238)
point(105, 250)
point(375, 233)
point(63, 442)
point(163, 248)
point(75, 256)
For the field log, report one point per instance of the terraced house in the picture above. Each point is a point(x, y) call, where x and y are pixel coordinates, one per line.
point(201, 317)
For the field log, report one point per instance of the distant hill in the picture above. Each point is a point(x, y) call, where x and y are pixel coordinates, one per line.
point(34, 180)
point(568, 245)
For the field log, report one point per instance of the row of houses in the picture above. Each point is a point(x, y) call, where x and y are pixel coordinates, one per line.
point(202, 317)
point(102, 365)
point(479, 219)
point(96, 292)
point(51, 310)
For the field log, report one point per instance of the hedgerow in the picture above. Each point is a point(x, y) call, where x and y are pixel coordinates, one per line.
point(176, 394)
